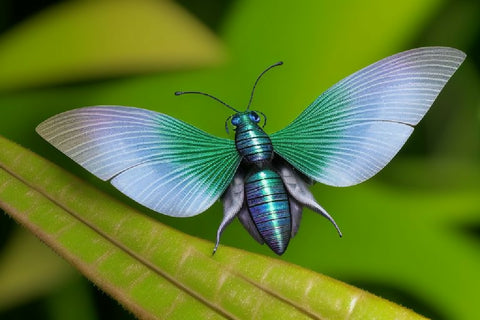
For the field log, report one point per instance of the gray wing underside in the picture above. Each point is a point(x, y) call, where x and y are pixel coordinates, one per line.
point(299, 191)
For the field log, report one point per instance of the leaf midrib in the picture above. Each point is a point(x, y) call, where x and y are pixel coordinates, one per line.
point(146, 262)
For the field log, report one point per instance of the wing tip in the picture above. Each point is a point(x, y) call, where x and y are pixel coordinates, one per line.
point(41, 129)
point(455, 54)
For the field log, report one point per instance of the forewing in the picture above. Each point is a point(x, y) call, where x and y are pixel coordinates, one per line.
point(163, 163)
point(354, 129)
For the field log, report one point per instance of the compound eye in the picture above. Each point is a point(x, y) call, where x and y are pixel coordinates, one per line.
point(235, 120)
point(254, 117)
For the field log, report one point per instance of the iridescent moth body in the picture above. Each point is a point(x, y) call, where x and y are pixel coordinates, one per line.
point(344, 137)
point(266, 195)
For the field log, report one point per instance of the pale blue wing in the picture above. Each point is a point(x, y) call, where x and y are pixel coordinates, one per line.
point(354, 129)
point(163, 163)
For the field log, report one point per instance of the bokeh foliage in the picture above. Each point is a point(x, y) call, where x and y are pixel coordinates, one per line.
point(411, 233)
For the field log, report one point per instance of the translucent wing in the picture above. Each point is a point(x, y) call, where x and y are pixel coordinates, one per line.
point(354, 129)
point(163, 163)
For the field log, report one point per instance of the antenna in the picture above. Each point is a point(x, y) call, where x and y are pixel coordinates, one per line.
point(178, 93)
point(261, 74)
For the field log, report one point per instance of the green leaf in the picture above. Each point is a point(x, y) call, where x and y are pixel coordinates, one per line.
point(158, 272)
point(79, 40)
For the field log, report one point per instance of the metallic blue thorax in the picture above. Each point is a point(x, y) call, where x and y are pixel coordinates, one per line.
point(253, 144)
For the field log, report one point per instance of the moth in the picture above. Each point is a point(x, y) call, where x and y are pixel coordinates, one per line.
point(348, 134)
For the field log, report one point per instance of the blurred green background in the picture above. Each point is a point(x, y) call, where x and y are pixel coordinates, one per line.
point(411, 233)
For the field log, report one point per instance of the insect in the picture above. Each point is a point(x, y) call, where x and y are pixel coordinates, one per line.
point(348, 134)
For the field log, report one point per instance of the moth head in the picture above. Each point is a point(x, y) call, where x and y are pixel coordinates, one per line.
point(246, 117)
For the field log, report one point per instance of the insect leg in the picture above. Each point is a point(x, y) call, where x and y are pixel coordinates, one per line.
point(232, 199)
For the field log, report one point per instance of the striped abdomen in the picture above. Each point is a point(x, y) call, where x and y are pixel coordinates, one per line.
point(253, 143)
point(267, 202)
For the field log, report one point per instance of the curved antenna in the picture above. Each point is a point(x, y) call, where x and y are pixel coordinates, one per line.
point(256, 81)
point(178, 93)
